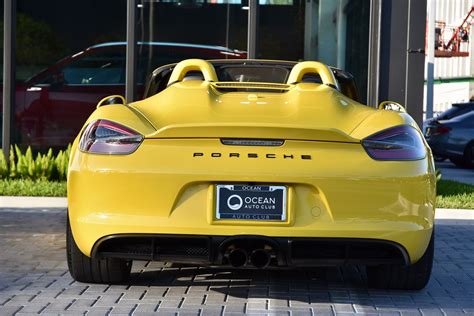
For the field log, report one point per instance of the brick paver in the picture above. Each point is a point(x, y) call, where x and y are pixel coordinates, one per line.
point(34, 280)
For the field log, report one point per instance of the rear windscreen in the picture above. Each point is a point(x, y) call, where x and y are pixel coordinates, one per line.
point(249, 73)
point(454, 111)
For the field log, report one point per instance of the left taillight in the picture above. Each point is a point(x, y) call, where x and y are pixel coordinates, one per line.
point(401, 142)
point(107, 137)
point(440, 130)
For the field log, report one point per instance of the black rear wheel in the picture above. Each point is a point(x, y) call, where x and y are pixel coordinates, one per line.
point(468, 159)
point(400, 277)
point(91, 270)
point(459, 162)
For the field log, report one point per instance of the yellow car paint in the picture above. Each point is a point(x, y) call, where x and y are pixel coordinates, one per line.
point(163, 187)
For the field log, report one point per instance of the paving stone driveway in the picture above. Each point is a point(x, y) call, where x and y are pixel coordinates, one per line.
point(34, 280)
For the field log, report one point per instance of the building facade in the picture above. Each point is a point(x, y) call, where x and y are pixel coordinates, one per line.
point(64, 61)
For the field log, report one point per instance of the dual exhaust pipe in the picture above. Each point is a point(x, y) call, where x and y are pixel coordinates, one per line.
point(259, 258)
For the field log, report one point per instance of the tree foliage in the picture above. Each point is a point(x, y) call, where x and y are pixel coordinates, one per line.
point(36, 42)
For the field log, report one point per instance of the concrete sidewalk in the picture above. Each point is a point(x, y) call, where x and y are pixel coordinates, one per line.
point(23, 202)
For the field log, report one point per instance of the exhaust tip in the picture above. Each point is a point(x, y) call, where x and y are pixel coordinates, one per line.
point(238, 258)
point(260, 258)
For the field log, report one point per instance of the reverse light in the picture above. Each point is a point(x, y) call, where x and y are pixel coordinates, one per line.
point(107, 137)
point(397, 143)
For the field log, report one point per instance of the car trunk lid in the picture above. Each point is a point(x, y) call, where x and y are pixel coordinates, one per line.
point(299, 112)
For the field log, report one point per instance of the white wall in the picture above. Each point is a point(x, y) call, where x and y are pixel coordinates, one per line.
point(448, 93)
point(453, 12)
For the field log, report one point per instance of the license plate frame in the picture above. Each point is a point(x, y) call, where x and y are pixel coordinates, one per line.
point(251, 202)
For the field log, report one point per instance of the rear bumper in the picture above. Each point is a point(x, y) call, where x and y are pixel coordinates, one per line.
point(281, 251)
point(162, 188)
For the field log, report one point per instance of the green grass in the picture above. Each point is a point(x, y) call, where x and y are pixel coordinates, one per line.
point(26, 187)
point(452, 194)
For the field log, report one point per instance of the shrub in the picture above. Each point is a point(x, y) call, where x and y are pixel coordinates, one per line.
point(26, 166)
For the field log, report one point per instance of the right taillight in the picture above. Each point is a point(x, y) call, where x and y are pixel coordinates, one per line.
point(397, 143)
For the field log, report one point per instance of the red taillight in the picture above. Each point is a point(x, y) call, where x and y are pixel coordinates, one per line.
point(440, 130)
point(107, 137)
point(397, 143)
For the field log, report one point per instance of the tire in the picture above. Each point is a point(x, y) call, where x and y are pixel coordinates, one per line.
point(468, 158)
point(90, 270)
point(459, 162)
point(400, 277)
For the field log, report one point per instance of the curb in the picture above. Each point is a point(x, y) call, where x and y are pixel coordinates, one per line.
point(32, 202)
point(456, 214)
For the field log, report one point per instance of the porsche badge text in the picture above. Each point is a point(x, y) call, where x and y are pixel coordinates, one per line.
point(251, 155)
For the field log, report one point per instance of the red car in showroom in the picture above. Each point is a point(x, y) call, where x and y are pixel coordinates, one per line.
point(52, 106)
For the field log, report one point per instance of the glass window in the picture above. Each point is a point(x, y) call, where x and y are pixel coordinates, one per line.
point(456, 110)
point(281, 30)
point(105, 67)
point(95, 70)
point(70, 55)
point(356, 15)
point(79, 56)
point(333, 32)
point(171, 31)
point(155, 54)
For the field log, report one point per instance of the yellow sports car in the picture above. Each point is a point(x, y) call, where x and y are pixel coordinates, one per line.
point(251, 164)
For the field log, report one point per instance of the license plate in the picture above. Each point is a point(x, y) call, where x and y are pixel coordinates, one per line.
point(251, 202)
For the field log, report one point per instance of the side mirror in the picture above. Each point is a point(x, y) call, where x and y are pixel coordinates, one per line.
point(391, 106)
point(112, 99)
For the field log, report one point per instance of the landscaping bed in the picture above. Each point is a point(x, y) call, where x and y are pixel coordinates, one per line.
point(452, 194)
point(27, 187)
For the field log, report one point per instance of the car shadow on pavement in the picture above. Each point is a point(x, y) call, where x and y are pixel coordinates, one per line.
point(329, 289)
point(451, 287)
point(229, 280)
